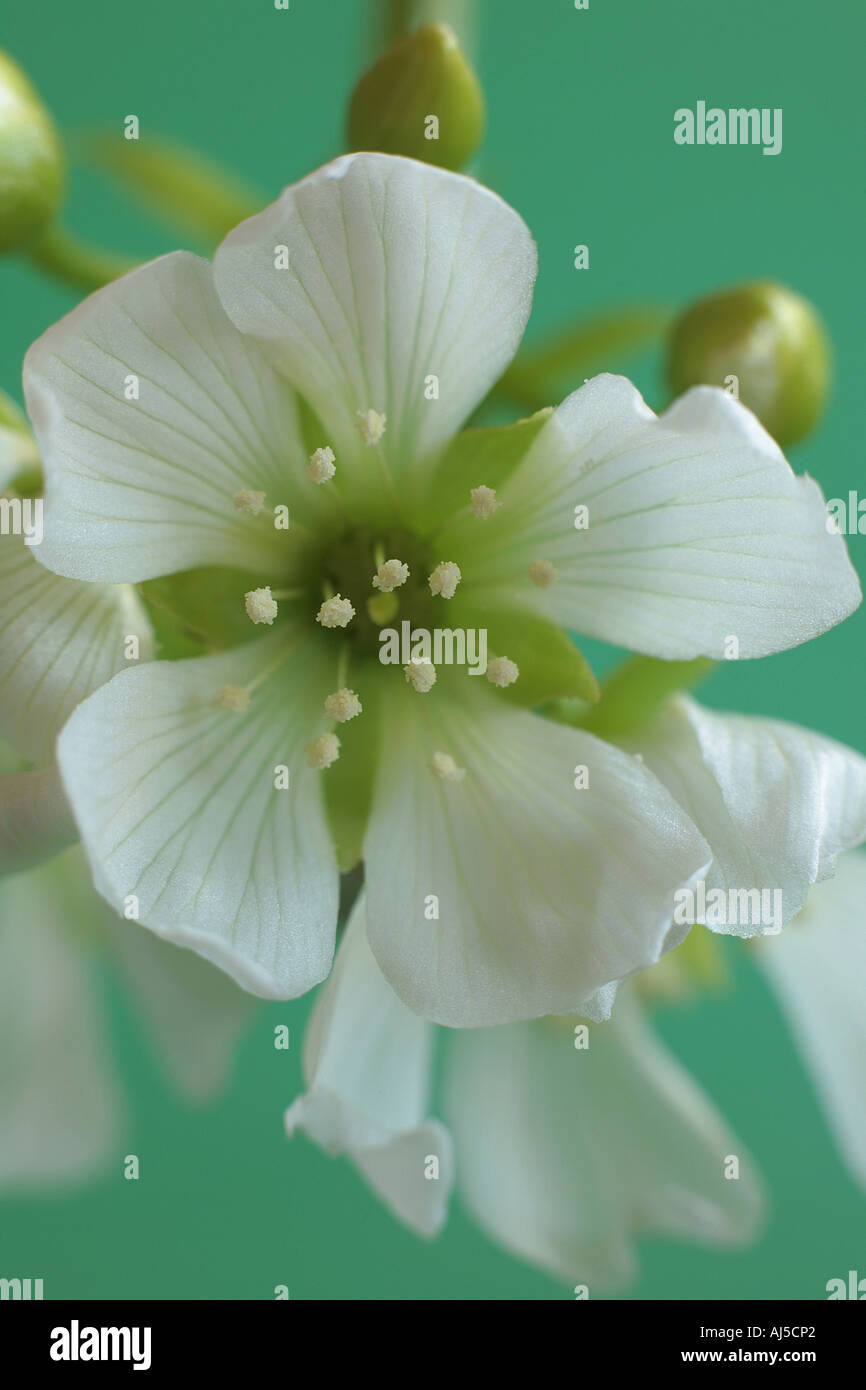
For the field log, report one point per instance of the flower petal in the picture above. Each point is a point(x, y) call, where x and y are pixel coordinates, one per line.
point(817, 968)
point(397, 271)
point(368, 1069)
point(35, 819)
point(152, 412)
point(510, 893)
point(776, 803)
point(697, 529)
point(59, 641)
point(195, 1014)
point(176, 801)
point(566, 1155)
point(59, 1103)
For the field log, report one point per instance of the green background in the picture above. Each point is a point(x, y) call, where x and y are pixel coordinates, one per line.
point(580, 142)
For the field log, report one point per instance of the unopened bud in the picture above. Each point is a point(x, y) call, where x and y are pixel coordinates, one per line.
point(31, 162)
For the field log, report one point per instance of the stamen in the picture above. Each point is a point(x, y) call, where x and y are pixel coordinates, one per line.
point(234, 698)
point(445, 578)
point(371, 425)
point(321, 468)
point(501, 671)
point(335, 612)
point(323, 751)
point(383, 608)
point(421, 675)
point(443, 766)
point(261, 605)
point(248, 501)
point(343, 705)
point(543, 574)
point(484, 502)
point(390, 575)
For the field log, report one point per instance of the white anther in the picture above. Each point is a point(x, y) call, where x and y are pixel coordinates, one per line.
point(323, 751)
point(421, 675)
point(543, 574)
point(321, 467)
point(390, 576)
point(501, 671)
point(235, 698)
point(335, 612)
point(371, 425)
point(444, 579)
point(248, 501)
point(342, 705)
point(261, 605)
point(443, 766)
point(484, 502)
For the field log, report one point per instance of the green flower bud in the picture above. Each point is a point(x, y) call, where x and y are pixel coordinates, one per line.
point(421, 99)
point(763, 343)
point(31, 162)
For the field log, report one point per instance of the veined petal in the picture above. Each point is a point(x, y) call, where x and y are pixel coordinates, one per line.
point(817, 968)
point(180, 814)
point(368, 1070)
point(512, 893)
point(59, 641)
point(397, 272)
point(59, 1103)
point(776, 804)
point(152, 412)
point(35, 819)
point(566, 1156)
point(695, 531)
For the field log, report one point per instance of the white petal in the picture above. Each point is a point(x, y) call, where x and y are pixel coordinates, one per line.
point(542, 893)
point(698, 529)
point(397, 271)
point(35, 819)
point(368, 1070)
point(137, 488)
point(59, 641)
point(195, 1014)
point(567, 1156)
point(59, 1106)
point(776, 803)
point(176, 801)
point(817, 968)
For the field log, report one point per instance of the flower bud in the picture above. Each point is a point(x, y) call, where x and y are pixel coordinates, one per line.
point(422, 99)
point(763, 343)
point(31, 163)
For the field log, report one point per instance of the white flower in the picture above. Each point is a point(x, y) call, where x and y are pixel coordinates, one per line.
point(564, 1156)
point(520, 895)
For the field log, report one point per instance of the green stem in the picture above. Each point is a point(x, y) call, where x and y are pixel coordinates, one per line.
point(84, 267)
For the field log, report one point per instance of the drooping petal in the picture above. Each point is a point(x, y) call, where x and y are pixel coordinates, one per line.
point(776, 804)
point(59, 1104)
point(152, 413)
point(194, 1013)
point(566, 1155)
point(397, 272)
point(182, 815)
point(59, 641)
point(695, 531)
point(517, 890)
point(35, 819)
point(368, 1070)
point(817, 968)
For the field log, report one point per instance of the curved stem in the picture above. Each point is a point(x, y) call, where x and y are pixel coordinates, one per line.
point(75, 263)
